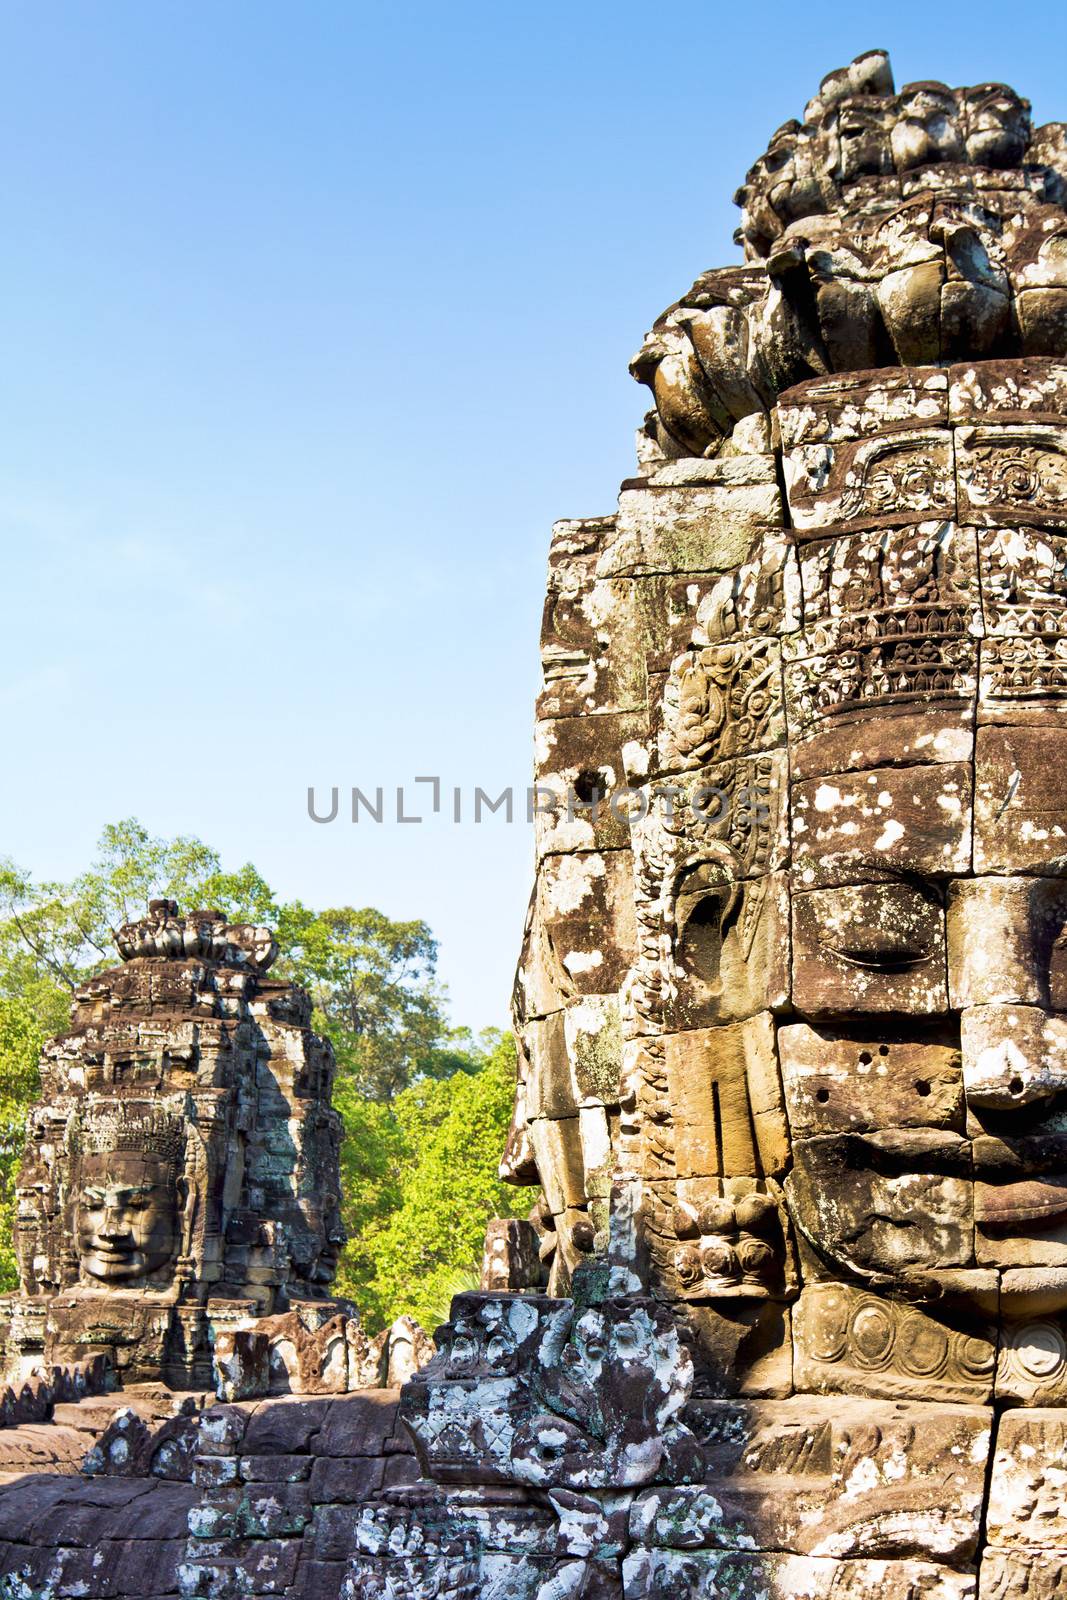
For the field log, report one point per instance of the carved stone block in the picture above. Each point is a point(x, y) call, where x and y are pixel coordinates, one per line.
point(906, 819)
point(760, 599)
point(713, 526)
point(726, 1098)
point(838, 1082)
point(594, 632)
point(906, 476)
point(900, 674)
point(510, 1259)
point(1011, 472)
point(845, 407)
point(888, 1205)
point(1022, 1574)
point(558, 1151)
point(578, 768)
point(1003, 942)
point(585, 909)
point(1034, 389)
point(666, 1574)
point(729, 953)
point(914, 582)
point(828, 1477)
point(1023, 575)
point(1032, 1359)
point(1026, 1505)
point(847, 1341)
point(715, 704)
point(872, 948)
point(575, 1058)
point(858, 743)
point(1020, 805)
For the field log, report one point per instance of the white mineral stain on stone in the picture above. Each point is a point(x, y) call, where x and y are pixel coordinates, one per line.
point(575, 881)
point(582, 961)
point(827, 796)
point(862, 1479)
point(544, 742)
point(635, 758)
point(890, 835)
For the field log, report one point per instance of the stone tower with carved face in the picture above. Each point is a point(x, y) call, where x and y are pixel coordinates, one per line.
point(792, 1000)
point(808, 689)
point(180, 1176)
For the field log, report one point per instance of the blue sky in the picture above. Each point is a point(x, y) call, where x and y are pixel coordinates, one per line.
point(312, 319)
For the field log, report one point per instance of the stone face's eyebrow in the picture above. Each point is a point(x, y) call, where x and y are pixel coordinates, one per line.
point(125, 1191)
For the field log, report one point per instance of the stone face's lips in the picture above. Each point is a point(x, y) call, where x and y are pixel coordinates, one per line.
point(1001, 1204)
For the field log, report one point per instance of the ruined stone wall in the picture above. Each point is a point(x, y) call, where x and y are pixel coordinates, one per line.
point(262, 1499)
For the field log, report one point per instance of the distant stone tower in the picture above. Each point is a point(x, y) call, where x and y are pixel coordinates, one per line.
point(181, 1167)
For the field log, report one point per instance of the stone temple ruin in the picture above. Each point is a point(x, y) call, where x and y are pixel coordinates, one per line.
point(181, 1168)
point(789, 1320)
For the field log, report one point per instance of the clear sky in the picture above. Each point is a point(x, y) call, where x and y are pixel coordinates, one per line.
point(313, 317)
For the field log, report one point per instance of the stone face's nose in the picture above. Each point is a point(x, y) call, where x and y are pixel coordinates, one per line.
point(115, 1225)
point(1013, 1056)
point(1004, 942)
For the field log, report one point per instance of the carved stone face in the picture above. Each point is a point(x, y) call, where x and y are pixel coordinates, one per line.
point(127, 1216)
point(927, 127)
point(323, 1217)
point(923, 1055)
point(996, 124)
point(840, 952)
point(925, 1063)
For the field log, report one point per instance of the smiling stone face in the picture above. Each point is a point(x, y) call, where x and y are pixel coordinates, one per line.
point(923, 1061)
point(127, 1216)
point(127, 1206)
point(837, 923)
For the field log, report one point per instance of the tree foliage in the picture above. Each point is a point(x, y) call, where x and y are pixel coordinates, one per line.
point(425, 1106)
point(21, 1038)
point(448, 1136)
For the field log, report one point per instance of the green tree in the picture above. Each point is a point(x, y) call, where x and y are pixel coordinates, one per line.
point(424, 1248)
point(21, 1039)
point(425, 1107)
point(372, 983)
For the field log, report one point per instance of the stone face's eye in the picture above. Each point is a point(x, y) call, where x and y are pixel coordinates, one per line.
point(887, 927)
point(873, 947)
point(882, 949)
